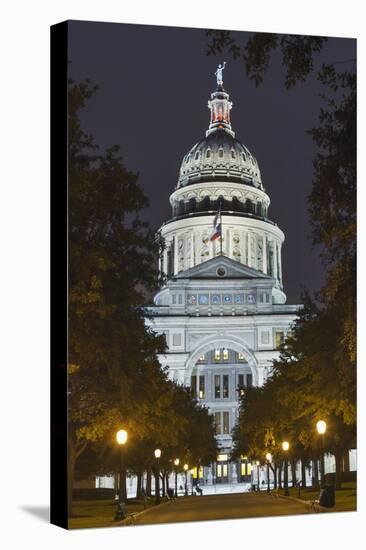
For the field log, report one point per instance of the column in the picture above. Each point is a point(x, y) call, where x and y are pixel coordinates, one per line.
point(280, 263)
point(249, 250)
point(275, 275)
point(242, 246)
point(255, 263)
point(228, 244)
point(193, 249)
point(264, 253)
point(176, 257)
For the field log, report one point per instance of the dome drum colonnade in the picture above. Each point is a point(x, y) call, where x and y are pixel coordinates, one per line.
point(220, 173)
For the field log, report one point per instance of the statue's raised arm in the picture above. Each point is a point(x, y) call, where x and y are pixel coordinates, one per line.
point(218, 74)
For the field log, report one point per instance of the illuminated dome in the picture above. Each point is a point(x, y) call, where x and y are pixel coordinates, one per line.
point(219, 156)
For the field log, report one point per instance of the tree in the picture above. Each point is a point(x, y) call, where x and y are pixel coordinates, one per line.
point(316, 373)
point(112, 356)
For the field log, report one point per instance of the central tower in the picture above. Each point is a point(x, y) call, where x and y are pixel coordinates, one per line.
point(222, 308)
point(219, 172)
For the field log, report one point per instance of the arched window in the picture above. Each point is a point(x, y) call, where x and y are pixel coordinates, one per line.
point(236, 204)
point(208, 153)
point(192, 205)
point(205, 204)
point(197, 156)
point(221, 153)
point(259, 208)
point(233, 154)
point(249, 205)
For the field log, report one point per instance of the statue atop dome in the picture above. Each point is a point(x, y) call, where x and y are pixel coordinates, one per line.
point(218, 74)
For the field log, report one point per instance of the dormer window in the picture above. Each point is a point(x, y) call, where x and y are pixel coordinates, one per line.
point(197, 156)
point(232, 153)
point(208, 153)
point(221, 153)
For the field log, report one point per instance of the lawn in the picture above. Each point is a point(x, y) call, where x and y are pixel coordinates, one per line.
point(100, 513)
point(345, 498)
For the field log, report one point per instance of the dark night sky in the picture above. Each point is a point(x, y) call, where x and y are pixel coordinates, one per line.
point(154, 86)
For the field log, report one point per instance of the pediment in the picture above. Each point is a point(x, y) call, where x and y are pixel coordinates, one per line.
point(221, 267)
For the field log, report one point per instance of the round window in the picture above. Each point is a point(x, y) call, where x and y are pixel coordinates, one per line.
point(221, 271)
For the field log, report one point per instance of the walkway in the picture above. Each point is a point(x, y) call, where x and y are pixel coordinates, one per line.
point(214, 507)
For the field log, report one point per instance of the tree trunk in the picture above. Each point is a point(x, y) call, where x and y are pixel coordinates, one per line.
point(303, 473)
point(167, 482)
point(315, 474)
point(280, 476)
point(338, 472)
point(293, 472)
point(346, 461)
point(139, 485)
point(274, 472)
point(148, 482)
point(162, 477)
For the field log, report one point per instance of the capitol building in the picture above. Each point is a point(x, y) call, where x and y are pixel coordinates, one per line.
point(223, 306)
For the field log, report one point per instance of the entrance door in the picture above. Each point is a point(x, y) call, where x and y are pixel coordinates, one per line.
point(222, 472)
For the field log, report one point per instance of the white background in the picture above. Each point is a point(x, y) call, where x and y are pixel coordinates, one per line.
point(24, 123)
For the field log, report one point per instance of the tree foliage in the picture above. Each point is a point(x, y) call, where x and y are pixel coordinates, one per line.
point(114, 376)
point(315, 375)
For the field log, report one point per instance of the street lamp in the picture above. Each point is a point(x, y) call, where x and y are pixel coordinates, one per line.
point(321, 427)
point(157, 454)
point(269, 460)
point(176, 464)
point(257, 463)
point(285, 447)
point(185, 468)
point(121, 437)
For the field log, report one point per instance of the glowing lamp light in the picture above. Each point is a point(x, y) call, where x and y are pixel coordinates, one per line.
point(257, 463)
point(121, 437)
point(157, 453)
point(321, 426)
point(285, 445)
point(176, 462)
point(192, 471)
point(269, 457)
point(185, 467)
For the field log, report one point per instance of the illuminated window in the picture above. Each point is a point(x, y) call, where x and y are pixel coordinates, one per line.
point(201, 391)
point(280, 337)
point(225, 386)
point(241, 384)
point(225, 422)
point(202, 358)
point(217, 354)
point(225, 354)
point(194, 386)
point(217, 386)
point(241, 356)
point(217, 419)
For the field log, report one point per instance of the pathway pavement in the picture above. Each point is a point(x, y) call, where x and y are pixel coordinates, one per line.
point(214, 507)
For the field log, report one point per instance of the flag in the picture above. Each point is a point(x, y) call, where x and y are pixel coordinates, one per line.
point(217, 227)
